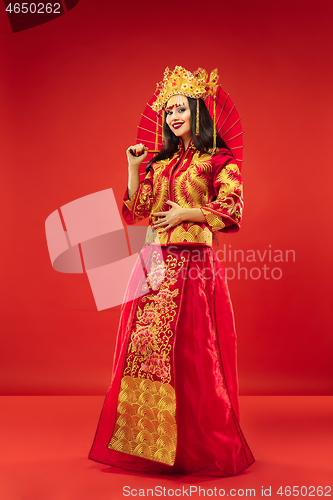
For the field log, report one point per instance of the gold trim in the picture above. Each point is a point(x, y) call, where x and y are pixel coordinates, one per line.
point(162, 120)
point(227, 117)
point(214, 121)
point(142, 128)
point(234, 137)
point(146, 140)
point(150, 119)
point(222, 107)
point(156, 133)
point(231, 127)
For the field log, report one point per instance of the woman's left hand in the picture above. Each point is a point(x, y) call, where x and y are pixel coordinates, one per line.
point(171, 218)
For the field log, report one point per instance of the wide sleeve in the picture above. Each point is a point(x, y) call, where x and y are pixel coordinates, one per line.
point(138, 207)
point(224, 213)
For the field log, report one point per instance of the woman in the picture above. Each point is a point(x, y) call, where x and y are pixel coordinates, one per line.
point(172, 405)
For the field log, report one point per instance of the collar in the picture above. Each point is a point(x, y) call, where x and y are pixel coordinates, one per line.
point(181, 146)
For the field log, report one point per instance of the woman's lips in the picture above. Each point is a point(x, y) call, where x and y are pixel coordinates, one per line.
point(177, 125)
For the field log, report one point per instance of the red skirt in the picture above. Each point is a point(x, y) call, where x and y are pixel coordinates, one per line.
point(172, 406)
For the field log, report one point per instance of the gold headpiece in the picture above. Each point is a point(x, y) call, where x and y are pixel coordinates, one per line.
point(181, 81)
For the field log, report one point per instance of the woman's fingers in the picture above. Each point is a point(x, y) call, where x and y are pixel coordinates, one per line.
point(138, 149)
point(157, 214)
point(165, 229)
point(136, 154)
point(172, 217)
point(160, 223)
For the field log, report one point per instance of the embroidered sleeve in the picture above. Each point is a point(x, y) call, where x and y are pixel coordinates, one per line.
point(225, 211)
point(138, 207)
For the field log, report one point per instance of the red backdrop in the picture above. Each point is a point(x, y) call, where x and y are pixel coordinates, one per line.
point(72, 91)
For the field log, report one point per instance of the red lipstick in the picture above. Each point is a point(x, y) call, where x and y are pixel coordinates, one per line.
point(177, 125)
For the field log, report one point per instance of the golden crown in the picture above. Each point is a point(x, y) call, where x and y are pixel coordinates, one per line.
point(181, 81)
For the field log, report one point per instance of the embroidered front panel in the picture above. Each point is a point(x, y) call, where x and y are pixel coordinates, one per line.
point(153, 327)
point(145, 421)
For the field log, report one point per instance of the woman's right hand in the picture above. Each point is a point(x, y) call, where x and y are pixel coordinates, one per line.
point(141, 152)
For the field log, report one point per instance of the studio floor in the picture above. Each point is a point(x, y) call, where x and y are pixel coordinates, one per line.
point(45, 441)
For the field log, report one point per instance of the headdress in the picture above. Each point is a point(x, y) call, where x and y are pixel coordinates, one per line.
point(196, 85)
point(183, 82)
point(180, 81)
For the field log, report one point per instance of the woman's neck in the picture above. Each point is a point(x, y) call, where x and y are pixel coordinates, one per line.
point(186, 142)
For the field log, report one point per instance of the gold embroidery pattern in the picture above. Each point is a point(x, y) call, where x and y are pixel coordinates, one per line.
point(203, 162)
point(229, 180)
point(149, 347)
point(161, 194)
point(130, 202)
point(192, 186)
point(195, 185)
point(145, 422)
point(194, 234)
point(230, 193)
point(167, 161)
point(143, 203)
point(214, 220)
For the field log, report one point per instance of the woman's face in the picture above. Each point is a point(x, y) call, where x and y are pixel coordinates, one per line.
point(178, 116)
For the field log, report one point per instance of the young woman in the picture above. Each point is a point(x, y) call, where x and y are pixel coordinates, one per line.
point(172, 406)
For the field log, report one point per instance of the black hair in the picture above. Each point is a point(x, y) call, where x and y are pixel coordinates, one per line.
point(203, 143)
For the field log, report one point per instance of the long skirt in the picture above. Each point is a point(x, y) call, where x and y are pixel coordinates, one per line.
point(172, 406)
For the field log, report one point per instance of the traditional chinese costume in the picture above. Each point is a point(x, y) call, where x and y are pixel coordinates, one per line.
point(172, 405)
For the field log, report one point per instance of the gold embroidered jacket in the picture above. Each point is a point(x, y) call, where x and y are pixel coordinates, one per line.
point(211, 182)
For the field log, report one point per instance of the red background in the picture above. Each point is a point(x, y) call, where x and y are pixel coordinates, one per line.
point(72, 91)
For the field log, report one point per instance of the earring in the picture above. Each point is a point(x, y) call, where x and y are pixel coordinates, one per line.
point(156, 132)
point(197, 132)
point(163, 120)
point(214, 120)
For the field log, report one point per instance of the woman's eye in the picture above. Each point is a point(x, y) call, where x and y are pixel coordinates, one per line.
point(181, 110)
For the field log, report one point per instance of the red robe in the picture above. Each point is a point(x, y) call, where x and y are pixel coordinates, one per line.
point(172, 406)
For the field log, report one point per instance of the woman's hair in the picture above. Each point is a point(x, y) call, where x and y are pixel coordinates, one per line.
point(202, 143)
